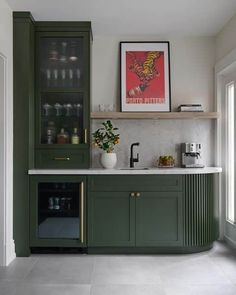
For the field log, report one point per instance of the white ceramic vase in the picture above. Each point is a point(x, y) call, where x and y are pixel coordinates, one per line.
point(108, 160)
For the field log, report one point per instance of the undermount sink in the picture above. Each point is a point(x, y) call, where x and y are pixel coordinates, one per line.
point(142, 168)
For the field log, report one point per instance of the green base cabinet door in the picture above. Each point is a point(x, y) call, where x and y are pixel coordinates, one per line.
point(159, 219)
point(111, 219)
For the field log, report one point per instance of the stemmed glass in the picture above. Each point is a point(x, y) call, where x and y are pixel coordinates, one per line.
point(47, 108)
point(78, 107)
point(58, 108)
point(68, 108)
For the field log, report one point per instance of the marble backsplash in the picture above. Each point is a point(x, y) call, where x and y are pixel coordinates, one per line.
point(159, 137)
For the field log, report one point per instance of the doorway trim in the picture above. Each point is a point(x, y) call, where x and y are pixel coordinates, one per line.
point(7, 247)
point(222, 68)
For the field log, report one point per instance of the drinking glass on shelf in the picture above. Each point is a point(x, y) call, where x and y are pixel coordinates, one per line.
point(63, 57)
point(73, 56)
point(101, 107)
point(68, 108)
point(47, 107)
point(78, 75)
point(71, 77)
point(48, 76)
point(78, 108)
point(106, 107)
point(55, 76)
point(58, 108)
point(63, 76)
point(110, 107)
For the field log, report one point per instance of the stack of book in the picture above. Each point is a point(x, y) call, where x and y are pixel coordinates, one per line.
point(190, 108)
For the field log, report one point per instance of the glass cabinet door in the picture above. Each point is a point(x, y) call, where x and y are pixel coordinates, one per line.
point(61, 62)
point(62, 119)
point(60, 210)
point(62, 92)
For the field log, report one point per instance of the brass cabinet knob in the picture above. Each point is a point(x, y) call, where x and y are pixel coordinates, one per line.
point(138, 195)
point(132, 194)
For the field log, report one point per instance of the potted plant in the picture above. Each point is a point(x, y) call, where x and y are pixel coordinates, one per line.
point(105, 138)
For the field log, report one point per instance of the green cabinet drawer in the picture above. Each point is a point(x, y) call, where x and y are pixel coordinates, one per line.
point(135, 183)
point(62, 159)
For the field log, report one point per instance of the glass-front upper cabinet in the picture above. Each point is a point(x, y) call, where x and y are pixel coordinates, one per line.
point(62, 94)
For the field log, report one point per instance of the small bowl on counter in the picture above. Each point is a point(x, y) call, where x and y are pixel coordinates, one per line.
point(166, 161)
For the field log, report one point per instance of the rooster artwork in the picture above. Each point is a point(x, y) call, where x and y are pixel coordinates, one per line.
point(145, 77)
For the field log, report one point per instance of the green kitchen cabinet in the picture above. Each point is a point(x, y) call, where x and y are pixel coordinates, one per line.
point(111, 219)
point(62, 95)
point(140, 211)
point(159, 219)
point(58, 211)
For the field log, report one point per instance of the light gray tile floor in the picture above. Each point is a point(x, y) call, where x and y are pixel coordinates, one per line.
point(207, 273)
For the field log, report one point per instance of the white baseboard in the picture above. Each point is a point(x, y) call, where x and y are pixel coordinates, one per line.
point(230, 242)
point(9, 254)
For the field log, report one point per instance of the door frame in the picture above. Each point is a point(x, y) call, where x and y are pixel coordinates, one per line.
point(223, 67)
point(7, 248)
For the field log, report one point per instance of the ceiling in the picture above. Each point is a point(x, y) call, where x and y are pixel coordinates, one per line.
point(136, 17)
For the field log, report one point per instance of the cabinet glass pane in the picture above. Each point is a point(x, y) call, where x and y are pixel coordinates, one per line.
point(59, 210)
point(61, 62)
point(62, 118)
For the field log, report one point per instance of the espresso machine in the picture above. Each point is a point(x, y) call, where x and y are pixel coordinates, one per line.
point(191, 155)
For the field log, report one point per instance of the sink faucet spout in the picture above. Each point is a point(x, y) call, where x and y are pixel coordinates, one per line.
point(132, 159)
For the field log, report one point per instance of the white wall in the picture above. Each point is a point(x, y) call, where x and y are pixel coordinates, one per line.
point(6, 35)
point(226, 39)
point(192, 74)
point(226, 57)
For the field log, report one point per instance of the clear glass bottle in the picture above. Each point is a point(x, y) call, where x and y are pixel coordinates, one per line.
point(62, 137)
point(75, 137)
point(51, 133)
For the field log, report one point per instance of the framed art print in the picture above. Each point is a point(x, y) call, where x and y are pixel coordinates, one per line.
point(145, 77)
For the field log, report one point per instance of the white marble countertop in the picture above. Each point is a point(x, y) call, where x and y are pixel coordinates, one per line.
point(123, 171)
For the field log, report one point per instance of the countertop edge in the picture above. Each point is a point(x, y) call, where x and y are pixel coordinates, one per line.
point(151, 171)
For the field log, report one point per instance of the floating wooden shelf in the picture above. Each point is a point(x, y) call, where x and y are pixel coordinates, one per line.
point(155, 115)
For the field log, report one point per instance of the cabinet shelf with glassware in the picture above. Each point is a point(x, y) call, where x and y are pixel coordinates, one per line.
point(62, 92)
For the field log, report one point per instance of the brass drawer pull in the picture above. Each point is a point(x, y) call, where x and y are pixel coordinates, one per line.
point(62, 159)
point(132, 195)
point(138, 195)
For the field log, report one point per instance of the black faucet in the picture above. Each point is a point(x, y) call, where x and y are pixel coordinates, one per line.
point(132, 159)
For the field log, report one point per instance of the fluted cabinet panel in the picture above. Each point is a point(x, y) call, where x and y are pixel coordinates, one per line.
point(199, 229)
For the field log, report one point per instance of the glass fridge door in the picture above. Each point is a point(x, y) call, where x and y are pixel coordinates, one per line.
point(60, 210)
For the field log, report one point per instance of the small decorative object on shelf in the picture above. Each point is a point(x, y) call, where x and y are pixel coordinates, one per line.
point(190, 108)
point(166, 162)
point(145, 76)
point(106, 139)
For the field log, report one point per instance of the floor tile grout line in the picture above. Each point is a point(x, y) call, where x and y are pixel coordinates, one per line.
point(31, 268)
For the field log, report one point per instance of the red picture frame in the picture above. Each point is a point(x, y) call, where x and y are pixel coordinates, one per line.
point(145, 76)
